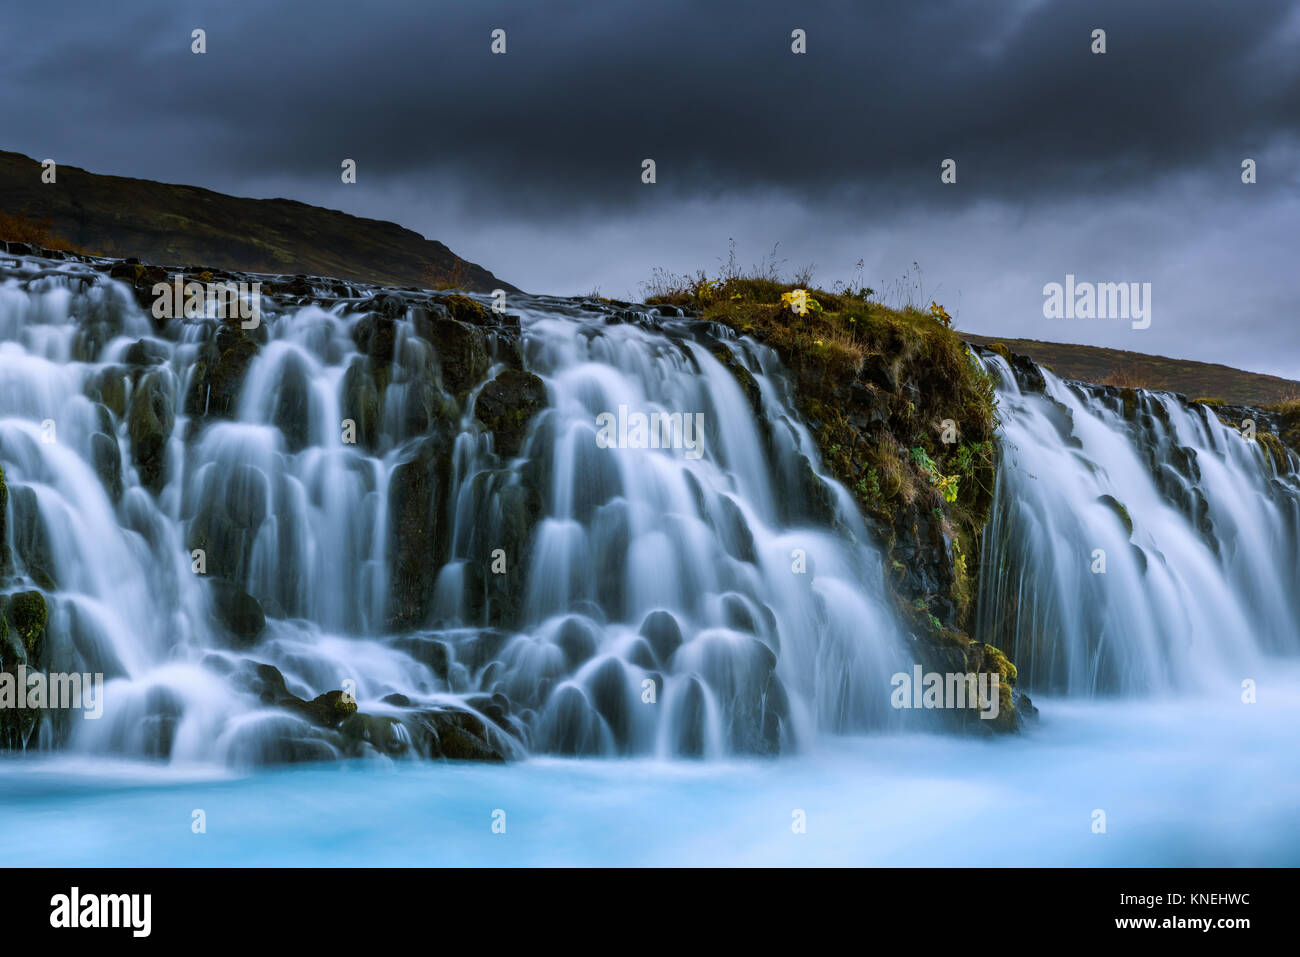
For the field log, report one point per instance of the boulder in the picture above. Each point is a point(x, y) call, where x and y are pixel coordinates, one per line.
point(663, 633)
point(107, 460)
point(219, 372)
point(239, 611)
point(507, 405)
point(146, 352)
point(462, 353)
point(416, 529)
point(29, 614)
point(360, 402)
point(458, 736)
point(376, 337)
point(150, 420)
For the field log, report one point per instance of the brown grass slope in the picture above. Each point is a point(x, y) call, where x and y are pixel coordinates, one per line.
point(171, 225)
point(1196, 380)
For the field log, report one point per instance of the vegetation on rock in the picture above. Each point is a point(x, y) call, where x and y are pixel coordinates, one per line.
point(904, 417)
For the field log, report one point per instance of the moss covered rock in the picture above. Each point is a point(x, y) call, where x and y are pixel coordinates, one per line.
point(361, 403)
point(329, 709)
point(462, 353)
point(457, 736)
point(376, 337)
point(29, 614)
point(219, 370)
point(149, 422)
point(1120, 511)
point(239, 611)
point(506, 406)
point(417, 529)
point(469, 310)
point(107, 460)
point(905, 417)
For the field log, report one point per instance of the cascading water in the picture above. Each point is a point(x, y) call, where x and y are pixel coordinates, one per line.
point(1137, 543)
point(405, 498)
point(212, 538)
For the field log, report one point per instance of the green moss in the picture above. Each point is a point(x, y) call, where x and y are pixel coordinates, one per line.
point(995, 662)
point(468, 310)
point(29, 615)
point(506, 406)
point(1289, 429)
point(1116, 506)
point(1274, 449)
point(963, 583)
point(1129, 398)
point(1211, 401)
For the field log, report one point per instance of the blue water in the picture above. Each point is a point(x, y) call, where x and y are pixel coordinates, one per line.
point(1183, 782)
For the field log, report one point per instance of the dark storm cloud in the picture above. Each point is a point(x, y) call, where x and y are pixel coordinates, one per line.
point(710, 91)
point(1121, 167)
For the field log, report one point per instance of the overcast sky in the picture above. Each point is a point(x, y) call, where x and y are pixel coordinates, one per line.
point(1115, 167)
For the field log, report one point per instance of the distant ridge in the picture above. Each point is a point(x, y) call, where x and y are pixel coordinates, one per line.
point(1196, 380)
point(174, 225)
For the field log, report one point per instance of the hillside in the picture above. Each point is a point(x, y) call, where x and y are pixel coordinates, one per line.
point(173, 225)
point(1195, 380)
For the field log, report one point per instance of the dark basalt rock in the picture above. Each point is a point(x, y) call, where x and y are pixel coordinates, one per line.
point(431, 652)
point(376, 335)
point(663, 633)
point(141, 278)
point(149, 423)
point(416, 529)
point(239, 611)
point(610, 694)
point(457, 736)
point(360, 402)
point(146, 352)
point(30, 539)
point(17, 726)
point(578, 640)
point(246, 497)
point(29, 614)
point(469, 310)
point(218, 373)
point(507, 405)
point(328, 710)
point(292, 410)
point(689, 719)
point(108, 385)
point(462, 353)
point(107, 459)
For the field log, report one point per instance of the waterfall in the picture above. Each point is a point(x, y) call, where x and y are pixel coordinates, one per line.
point(1138, 545)
point(233, 525)
point(393, 522)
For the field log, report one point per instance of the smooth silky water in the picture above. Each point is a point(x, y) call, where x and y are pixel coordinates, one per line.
point(1137, 673)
